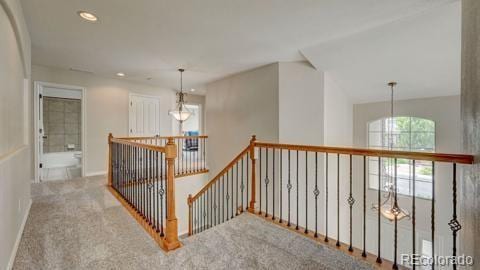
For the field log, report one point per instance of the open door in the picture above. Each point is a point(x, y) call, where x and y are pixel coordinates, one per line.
point(40, 132)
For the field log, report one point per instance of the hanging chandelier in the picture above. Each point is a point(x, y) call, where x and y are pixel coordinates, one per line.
point(389, 207)
point(181, 113)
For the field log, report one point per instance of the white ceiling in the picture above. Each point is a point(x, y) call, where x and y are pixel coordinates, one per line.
point(211, 38)
point(422, 53)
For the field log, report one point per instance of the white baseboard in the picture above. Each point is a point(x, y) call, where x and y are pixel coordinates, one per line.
point(95, 173)
point(19, 237)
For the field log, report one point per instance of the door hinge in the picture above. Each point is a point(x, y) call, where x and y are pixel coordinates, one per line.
point(40, 130)
point(40, 96)
point(131, 103)
point(40, 165)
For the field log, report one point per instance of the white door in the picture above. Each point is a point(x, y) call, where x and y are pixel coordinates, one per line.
point(144, 116)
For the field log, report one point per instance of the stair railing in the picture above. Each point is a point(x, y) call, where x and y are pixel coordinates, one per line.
point(141, 177)
point(290, 182)
point(191, 152)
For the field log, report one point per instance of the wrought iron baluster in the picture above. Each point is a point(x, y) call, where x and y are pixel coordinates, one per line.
point(242, 185)
point(413, 211)
point(338, 200)
point(231, 202)
point(316, 192)
point(289, 187)
point(273, 185)
point(157, 180)
point(395, 208)
point(454, 224)
point(162, 193)
point(351, 201)
point(306, 191)
point(298, 188)
point(326, 197)
point(281, 191)
point(364, 252)
point(236, 187)
point(433, 212)
point(379, 198)
point(260, 181)
point(266, 183)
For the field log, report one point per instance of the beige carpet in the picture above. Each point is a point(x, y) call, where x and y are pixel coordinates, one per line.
point(78, 224)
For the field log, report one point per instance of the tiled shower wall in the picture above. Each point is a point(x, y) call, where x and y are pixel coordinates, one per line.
point(62, 124)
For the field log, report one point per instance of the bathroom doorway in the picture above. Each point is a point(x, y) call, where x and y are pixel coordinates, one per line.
point(59, 129)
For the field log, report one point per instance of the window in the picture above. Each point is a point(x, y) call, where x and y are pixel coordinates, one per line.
point(408, 134)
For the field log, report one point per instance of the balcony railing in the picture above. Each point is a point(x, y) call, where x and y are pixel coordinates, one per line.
point(141, 174)
point(294, 186)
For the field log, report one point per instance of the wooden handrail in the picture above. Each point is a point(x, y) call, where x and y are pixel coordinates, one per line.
point(141, 145)
point(228, 167)
point(440, 157)
point(164, 137)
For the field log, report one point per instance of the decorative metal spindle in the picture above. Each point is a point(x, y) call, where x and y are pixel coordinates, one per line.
point(326, 197)
point(379, 198)
point(247, 182)
point(454, 224)
point(306, 192)
point(157, 196)
point(316, 192)
point(228, 195)
point(395, 229)
point(236, 189)
point(433, 212)
point(232, 194)
point(364, 252)
point(214, 203)
point(338, 200)
point(149, 187)
point(242, 186)
point(162, 192)
point(266, 183)
point(281, 191)
point(273, 185)
point(298, 188)
point(351, 201)
point(413, 211)
point(289, 187)
point(223, 199)
point(260, 182)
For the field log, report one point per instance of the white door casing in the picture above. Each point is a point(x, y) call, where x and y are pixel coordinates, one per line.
point(144, 115)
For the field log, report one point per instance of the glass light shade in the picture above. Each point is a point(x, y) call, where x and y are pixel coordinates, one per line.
point(180, 116)
point(387, 212)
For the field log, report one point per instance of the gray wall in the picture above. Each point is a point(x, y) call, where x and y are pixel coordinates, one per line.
point(470, 182)
point(238, 107)
point(62, 122)
point(14, 138)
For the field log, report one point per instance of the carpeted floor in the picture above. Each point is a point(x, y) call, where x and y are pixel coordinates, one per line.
point(78, 224)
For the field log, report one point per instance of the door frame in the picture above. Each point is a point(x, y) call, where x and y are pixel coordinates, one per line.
point(38, 87)
point(158, 98)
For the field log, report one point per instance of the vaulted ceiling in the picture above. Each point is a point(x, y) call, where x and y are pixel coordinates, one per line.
point(215, 38)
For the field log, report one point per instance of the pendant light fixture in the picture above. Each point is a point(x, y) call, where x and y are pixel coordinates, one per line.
point(181, 113)
point(389, 207)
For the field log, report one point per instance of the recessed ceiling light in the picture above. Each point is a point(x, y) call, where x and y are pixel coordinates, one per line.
point(87, 16)
point(193, 89)
point(121, 74)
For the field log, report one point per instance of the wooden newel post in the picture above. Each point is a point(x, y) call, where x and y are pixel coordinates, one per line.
point(190, 222)
point(254, 173)
point(110, 169)
point(171, 237)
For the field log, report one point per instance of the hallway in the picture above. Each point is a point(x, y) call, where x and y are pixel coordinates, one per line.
point(79, 225)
